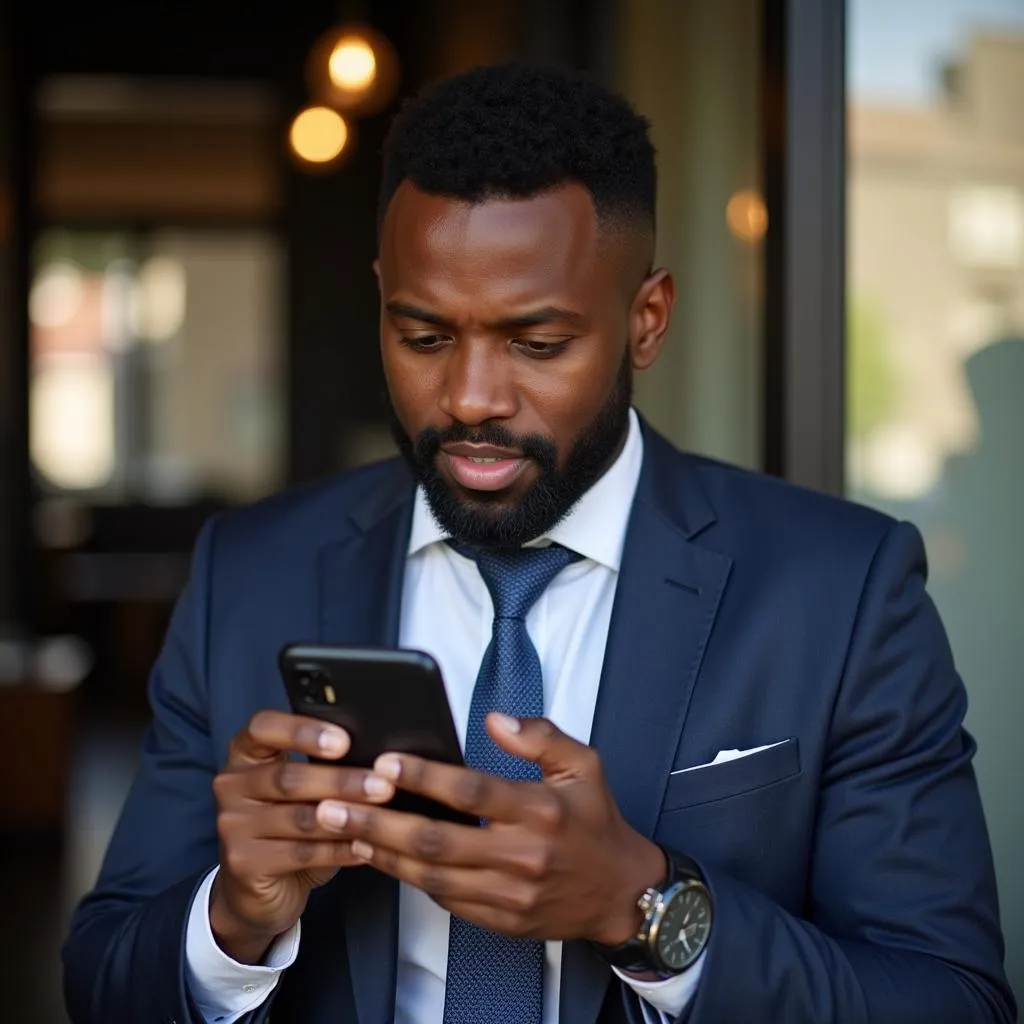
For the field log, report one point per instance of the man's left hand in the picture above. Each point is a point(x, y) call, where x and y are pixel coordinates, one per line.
point(556, 859)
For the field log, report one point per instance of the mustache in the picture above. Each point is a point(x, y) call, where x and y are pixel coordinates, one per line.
point(535, 446)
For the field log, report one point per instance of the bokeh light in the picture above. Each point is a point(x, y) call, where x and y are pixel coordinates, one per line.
point(158, 312)
point(352, 65)
point(747, 216)
point(318, 136)
point(57, 294)
point(354, 69)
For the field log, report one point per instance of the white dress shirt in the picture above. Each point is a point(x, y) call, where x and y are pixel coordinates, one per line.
point(447, 611)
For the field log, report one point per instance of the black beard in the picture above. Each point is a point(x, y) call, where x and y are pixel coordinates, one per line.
point(483, 521)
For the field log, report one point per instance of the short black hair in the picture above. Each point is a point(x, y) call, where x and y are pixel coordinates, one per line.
point(518, 129)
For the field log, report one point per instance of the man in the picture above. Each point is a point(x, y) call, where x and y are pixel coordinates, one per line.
point(775, 818)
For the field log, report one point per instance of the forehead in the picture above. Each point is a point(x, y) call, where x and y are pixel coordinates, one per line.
point(528, 247)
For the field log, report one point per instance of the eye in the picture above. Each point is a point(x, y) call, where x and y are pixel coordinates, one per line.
point(426, 342)
point(537, 348)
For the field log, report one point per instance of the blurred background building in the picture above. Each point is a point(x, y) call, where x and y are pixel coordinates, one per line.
point(188, 320)
point(935, 349)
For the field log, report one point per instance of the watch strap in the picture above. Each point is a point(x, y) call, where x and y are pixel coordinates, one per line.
point(680, 869)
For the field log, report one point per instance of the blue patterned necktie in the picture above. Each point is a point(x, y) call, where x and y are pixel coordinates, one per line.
point(493, 979)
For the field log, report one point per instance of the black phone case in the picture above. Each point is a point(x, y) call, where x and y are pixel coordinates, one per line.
point(387, 699)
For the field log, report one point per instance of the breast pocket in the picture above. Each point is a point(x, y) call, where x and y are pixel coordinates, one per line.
point(732, 778)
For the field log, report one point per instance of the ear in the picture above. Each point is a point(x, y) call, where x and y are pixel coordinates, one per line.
point(376, 271)
point(650, 316)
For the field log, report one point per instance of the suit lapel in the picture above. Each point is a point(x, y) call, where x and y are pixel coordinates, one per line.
point(665, 605)
point(360, 603)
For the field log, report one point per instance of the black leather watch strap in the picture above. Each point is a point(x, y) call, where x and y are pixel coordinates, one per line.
point(681, 868)
point(633, 955)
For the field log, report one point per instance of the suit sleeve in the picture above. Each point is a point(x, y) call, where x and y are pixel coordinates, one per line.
point(901, 922)
point(124, 958)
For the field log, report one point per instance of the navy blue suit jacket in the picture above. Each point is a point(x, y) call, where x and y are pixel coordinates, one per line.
point(849, 864)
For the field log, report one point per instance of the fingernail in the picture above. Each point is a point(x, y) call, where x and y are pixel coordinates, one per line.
point(373, 785)
point(333, 741)
point(333, 815)
point(506, 722)
point(364, 851)
point(389, 766)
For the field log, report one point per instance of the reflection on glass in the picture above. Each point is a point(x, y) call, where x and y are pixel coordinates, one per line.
point(155, 365)
point(935, 370)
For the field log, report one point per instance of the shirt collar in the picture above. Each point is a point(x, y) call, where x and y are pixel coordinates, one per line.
point(596, 526)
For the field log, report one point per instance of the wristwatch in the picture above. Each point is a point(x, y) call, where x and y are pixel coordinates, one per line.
point(676, 925)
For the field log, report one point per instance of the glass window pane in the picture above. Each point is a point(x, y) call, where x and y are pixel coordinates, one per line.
point(694, 69)
point(936, 346)
point(155, 373)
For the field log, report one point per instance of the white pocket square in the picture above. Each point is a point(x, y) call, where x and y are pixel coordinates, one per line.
point(729, 755)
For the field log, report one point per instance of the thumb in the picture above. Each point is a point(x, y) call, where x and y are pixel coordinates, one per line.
point(540, 741)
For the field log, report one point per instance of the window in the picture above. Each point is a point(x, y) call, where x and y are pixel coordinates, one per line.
point(935, 361)
point(155, 373)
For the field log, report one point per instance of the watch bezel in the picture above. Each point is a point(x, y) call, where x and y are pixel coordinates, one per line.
point(639, 954)
point(665, 899)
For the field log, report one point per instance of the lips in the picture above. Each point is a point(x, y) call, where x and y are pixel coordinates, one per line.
point(481, 467)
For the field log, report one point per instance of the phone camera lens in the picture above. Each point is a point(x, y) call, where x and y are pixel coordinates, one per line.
point(311, 684)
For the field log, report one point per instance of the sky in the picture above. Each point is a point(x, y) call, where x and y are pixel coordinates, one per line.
point(896, 47)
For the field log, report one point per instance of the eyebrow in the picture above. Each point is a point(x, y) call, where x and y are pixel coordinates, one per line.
point(531, 318)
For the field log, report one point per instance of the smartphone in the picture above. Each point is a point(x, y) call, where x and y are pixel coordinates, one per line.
point(385, 699)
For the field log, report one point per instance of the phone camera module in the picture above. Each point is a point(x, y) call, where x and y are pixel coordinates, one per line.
point(312, 686)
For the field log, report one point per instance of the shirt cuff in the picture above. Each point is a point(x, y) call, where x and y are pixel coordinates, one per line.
point(223, 989)
point(663, 1001)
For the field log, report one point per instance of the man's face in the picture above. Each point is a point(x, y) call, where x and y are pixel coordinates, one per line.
point(508, 337)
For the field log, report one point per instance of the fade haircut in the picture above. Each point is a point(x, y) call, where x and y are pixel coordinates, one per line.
point(515, 130)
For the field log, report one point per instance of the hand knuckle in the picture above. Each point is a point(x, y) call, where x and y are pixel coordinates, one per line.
point(238, 742)
point(591, 761)
point(434, 881)
point(472, 788)
point(222, 786)
point(289, 776)
point(429, 842)
point(516, 926)
point(348, 784)
point(228, 825)
point(549, 810)
point(304, 816)
point(525, 898)
point(545, 729)
point(235, 860)
point(536, 862)
point(302, 852)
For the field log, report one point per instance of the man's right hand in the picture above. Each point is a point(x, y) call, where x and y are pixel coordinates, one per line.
point(273, 847)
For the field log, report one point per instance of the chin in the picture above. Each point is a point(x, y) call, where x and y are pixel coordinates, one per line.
point(482, 501)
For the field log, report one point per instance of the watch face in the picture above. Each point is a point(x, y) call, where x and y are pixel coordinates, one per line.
point(684, 928)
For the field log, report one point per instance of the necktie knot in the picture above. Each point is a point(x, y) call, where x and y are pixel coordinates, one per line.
point(517, 578)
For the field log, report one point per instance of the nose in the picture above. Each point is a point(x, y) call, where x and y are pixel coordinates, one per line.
point(478, 384)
